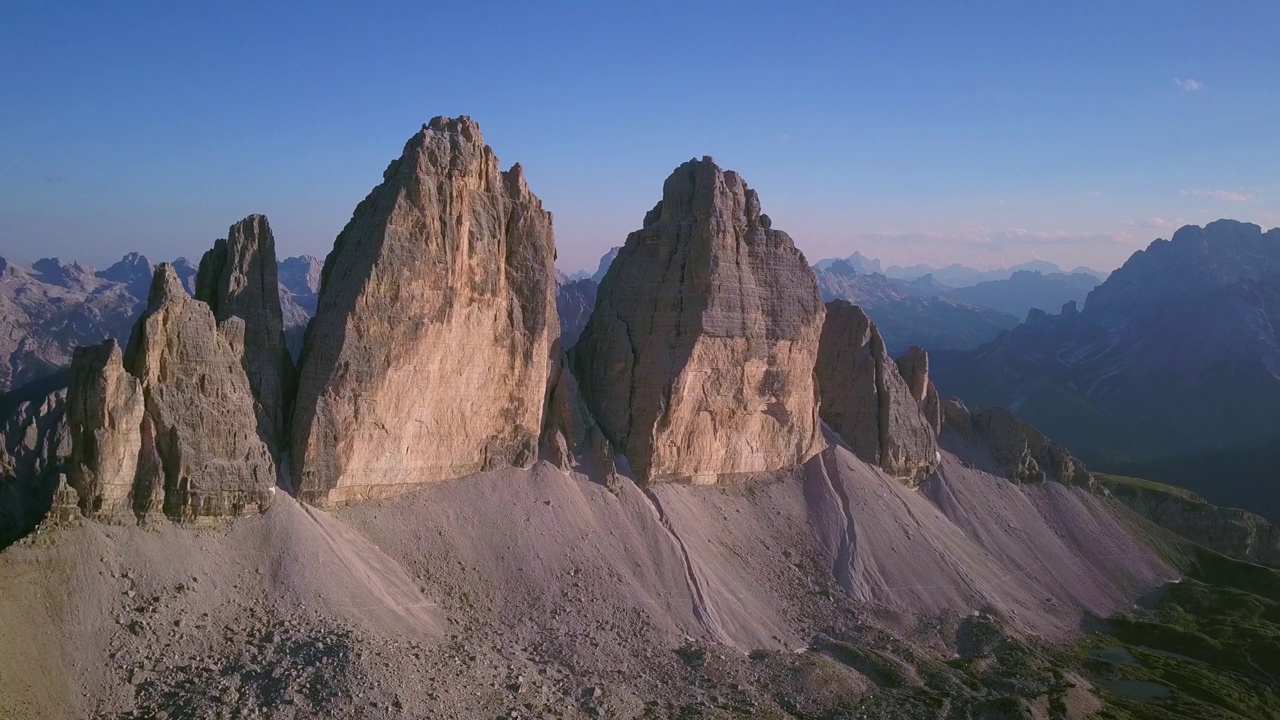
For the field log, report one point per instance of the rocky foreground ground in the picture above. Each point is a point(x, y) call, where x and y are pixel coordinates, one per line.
point(541, 594)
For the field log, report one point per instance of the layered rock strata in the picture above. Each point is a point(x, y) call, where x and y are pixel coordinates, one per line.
point(104, 418)
point(698, 359)
point(431, 349)
point(866, 399)
point(238, 278)
point(172, 425)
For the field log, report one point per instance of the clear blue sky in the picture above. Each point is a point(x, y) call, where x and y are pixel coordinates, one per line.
point(912, 131)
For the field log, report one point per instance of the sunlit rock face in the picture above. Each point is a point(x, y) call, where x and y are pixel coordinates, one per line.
point(698, 359)
point(431, 349)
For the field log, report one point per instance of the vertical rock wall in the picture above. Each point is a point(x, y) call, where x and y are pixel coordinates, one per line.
point(698, 358)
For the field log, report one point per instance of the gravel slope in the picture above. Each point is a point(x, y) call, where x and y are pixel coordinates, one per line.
point(549, 595)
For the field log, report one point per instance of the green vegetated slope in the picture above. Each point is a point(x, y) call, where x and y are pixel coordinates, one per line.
point(1207, 647)
point(1144, 485)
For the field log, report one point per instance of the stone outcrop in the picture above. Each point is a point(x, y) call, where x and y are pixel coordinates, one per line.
point(914, 368)
point(430, 352)
point(201, 446)
point(171, 425)
point(866, 399)
point(1230, 531)
point(238, 278)
point(1020, 452)
point(104, 420)
point(698, 359)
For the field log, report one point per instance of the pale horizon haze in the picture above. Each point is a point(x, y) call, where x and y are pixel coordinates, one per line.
point(920, 132)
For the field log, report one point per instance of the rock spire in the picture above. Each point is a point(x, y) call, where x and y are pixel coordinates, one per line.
point(866, 399)
point(431, 350)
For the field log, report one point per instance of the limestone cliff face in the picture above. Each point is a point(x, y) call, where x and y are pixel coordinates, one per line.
point(201, 449)
point(171, 426)
point(866, 400)
point(914, 368)
point(430, 352)
point(104, 420)
point(1019, 451)
point(238, 278)
point(698, 359)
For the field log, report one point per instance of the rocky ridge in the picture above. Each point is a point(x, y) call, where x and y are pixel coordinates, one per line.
point(1198, 312)
point(1019, 451)
point(1230, 531)
point(878, 409)
point(697, 361)
point(141, 423)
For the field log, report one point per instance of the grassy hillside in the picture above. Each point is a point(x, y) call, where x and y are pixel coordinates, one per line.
point(1207, 647)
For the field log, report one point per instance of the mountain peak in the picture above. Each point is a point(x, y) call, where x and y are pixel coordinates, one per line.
point(701, 300)
point(462, 125)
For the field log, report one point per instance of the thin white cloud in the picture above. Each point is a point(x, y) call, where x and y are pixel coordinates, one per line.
point(1190, 84)
point(1156, 223)
point(973, 235)
point(1222, 195)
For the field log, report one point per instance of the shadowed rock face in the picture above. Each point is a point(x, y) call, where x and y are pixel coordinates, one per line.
point(238, 278)
point(866, 400)
point(33, 445)
point(1019, 451)
point(430, 352)
point(698, 358)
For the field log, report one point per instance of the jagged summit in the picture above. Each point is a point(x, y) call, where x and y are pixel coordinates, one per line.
point(133, 270)
point(166, 287)
point(142, 425)
point(875, 404)
point(430, 352)
point(463, 126)
point(697, 361)
point(238, 278)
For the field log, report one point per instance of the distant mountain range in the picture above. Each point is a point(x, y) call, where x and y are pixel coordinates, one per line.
point(957, 275)
point(912, 309)
point(51, 307)
point(953, 275)
point(1175, 355)
point(927, 312)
